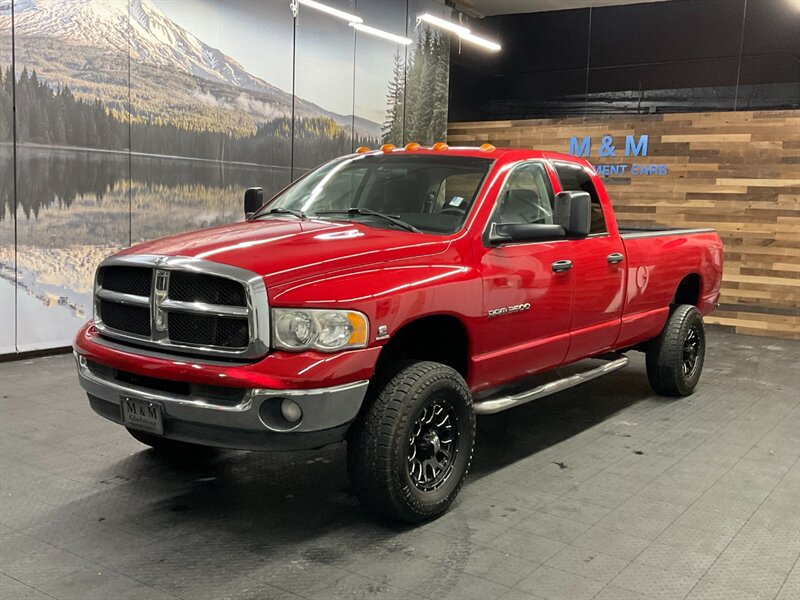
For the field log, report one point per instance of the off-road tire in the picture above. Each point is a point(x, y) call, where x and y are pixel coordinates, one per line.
point(378, 447)
point(666, 354)
point(171, 448)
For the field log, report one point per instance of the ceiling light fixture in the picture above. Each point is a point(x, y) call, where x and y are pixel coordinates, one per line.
point(397, 39)
point(482, 42)
point(443, 23)
point(463, 32)
point(335, 12)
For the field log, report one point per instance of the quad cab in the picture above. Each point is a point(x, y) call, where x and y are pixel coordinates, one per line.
point(386, 299)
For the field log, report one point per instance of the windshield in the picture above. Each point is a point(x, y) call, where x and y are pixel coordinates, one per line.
point(427, 193)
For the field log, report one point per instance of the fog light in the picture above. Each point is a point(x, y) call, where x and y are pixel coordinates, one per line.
point(291, 411)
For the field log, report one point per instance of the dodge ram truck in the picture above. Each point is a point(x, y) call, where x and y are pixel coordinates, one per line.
point(385, 299)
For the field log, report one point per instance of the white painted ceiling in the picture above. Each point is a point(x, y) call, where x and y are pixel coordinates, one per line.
point(487, 8)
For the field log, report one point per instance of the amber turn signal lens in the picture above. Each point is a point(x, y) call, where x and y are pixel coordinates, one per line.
point(360, 329)
point(488, 148)
point(362, 149)
point(440, 146)
point(413, 146)
point(387, 147)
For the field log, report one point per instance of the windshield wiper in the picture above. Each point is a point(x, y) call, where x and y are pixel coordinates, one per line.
point(354, 210)
point(279, 210)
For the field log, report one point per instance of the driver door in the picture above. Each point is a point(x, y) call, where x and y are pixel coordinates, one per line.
point(527, 305)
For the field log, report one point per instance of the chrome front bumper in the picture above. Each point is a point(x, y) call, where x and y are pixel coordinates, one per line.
point(327, 413)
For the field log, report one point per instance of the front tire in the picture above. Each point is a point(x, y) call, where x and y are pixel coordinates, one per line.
point(675, 358)
point(409, 452)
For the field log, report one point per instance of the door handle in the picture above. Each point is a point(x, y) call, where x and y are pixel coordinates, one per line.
point(560, 266)
point(616, 257)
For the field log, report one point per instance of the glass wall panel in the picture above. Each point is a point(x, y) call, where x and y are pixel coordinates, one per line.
point(380, 75)
point(211, 102)
point(428, 75)
point(7, 245)
point(73, 206)
point(324, 70)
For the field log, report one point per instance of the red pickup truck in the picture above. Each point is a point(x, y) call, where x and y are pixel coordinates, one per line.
point(385, 299)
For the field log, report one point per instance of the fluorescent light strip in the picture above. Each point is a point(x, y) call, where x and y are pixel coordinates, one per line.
point(482, 42)
point(397, 39)
point(331, 11)
point(443, 24)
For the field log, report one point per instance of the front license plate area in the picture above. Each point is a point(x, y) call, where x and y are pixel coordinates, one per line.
point(141, 414)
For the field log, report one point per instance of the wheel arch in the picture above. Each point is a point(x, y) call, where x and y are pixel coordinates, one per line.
point(688, 290)
point(439, 338)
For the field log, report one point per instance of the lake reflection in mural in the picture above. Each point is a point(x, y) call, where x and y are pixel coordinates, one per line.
point(77, 207)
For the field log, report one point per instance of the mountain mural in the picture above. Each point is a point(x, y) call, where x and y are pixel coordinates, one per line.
point(130, 125)
point(178, 77)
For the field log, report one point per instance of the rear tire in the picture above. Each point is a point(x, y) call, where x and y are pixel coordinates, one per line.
point(409, 452)
point(171, 448)
point(675, 358)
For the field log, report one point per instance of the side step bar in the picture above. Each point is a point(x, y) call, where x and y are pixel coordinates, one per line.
point(500, 403)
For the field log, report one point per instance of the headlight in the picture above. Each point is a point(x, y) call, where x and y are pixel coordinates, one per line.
point(318, 329)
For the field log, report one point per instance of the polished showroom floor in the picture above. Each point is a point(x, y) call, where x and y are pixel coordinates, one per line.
point(603, 491)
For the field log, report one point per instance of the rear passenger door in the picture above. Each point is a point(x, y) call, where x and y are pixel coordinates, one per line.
point(599, 272)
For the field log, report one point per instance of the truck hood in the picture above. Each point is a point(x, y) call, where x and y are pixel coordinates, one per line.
point(283, 250)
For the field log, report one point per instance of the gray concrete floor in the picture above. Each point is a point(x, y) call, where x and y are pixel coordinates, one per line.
point(604, 492)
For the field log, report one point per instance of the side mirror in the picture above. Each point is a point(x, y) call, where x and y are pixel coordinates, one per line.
point(504, 233)
point(253, 200)
point(573, 211)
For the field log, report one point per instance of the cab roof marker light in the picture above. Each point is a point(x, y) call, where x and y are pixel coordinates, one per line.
point(482, 42)
point(487, 148)
point(439, 146)
point(397, 39)
point(335, 12)
point(443, 24)
point(362, 149)
point(411, 146)
point(387, 147)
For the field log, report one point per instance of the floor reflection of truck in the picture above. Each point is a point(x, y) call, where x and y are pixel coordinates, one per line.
point(386, 298)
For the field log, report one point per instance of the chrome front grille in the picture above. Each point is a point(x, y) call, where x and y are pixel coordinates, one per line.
point(186, 305)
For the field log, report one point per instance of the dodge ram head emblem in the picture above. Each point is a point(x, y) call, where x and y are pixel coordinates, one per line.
point(159, 260)
point(159, 316)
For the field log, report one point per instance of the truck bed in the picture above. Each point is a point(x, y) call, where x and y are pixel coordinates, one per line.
point(629, 232)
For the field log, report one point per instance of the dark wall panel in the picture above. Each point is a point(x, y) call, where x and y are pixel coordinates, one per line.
point(770, 69)
point(676, 56)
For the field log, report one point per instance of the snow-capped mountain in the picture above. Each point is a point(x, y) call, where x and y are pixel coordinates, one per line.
point(152, 38)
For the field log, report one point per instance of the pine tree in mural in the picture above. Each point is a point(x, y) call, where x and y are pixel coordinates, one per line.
point(422, 102)
point(6, 114)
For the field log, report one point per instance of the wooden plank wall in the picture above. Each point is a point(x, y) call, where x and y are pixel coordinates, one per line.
point(738, 172)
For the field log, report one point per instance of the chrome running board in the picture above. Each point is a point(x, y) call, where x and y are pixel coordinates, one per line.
point(500, 403)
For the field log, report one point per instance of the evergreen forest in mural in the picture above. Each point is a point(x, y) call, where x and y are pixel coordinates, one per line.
point(417, 96)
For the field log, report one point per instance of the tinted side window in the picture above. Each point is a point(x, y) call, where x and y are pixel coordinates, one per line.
point(526, 196)
point(574, 179)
